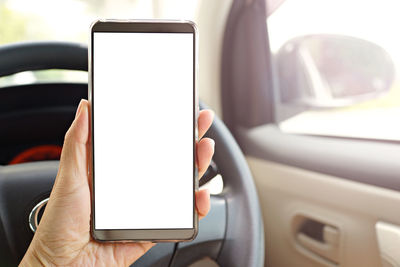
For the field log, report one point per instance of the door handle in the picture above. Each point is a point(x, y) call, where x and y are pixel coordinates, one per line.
point(325, 245)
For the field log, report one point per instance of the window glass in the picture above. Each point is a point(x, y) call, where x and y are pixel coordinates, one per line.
point(69, 20)
point(336, 66)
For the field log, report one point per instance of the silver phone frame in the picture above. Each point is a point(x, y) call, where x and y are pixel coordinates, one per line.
point(145, 235)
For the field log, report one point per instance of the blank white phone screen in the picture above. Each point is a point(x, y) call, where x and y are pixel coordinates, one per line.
point(143, 130)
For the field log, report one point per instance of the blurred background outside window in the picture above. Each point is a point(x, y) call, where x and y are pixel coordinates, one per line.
point(337, 67)
point(69, 20)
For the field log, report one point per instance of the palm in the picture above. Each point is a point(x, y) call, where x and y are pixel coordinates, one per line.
point(82, 250)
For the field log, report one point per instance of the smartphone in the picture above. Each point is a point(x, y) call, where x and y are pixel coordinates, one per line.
point(144, 108)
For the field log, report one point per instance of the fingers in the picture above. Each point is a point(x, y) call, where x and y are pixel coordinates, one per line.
point(204, 121)
point(74, 153)
point(203, 202)
point(205, 151)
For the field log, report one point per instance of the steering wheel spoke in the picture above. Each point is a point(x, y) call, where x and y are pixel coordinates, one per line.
point(22, 187)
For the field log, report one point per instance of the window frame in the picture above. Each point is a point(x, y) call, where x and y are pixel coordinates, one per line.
point(373, 162)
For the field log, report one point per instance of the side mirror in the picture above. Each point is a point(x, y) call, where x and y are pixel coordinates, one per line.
point(325, 71)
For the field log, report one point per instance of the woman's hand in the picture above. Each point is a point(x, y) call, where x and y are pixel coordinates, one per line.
point(63, 236)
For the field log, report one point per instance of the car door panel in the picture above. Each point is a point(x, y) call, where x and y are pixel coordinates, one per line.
point(369, 162)
point(290, 194)
point(323, 198)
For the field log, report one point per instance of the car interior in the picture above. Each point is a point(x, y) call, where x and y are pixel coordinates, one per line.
point(307, 98)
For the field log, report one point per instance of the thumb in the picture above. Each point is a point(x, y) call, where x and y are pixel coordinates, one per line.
point(74, 156)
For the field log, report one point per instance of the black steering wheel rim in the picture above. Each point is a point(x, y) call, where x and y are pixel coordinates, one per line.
point(243, 241)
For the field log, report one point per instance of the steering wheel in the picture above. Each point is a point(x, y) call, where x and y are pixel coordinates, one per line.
point(232, 234)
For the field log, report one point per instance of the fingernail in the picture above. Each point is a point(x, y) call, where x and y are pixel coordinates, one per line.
point(207, 191)
point(78, 111)
point(212, 113)
point(213, 143)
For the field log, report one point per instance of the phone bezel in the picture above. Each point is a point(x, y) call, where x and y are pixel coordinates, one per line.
point(156, 26)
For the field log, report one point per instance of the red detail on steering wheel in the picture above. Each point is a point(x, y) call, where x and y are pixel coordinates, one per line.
point(38, 153)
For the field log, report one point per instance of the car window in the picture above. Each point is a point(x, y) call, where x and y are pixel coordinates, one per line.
point(336, 67)
point(69, 20)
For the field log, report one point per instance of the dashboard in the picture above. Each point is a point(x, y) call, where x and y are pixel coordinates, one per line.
point(34, 119)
